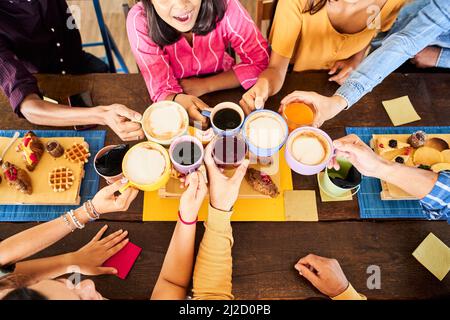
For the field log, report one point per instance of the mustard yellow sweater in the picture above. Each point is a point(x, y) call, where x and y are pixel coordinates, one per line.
point(213, 268)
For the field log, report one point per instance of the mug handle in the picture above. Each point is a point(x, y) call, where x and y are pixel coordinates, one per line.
point(125, 187)
point(206, 113)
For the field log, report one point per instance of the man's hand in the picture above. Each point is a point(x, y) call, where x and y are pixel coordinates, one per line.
point(427, 58)
point(223, 191)
point(255, 97)
point(194, 106)
point(353, 149)
point(345, 67)
point(123, 121)
point(324, 274)
point(326, 107)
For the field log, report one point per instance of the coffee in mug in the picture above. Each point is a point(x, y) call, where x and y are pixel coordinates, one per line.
point(163, 121)
point(226, 118)
point(265, 132)
point(186, 153)
point(108, 162)
point(144, 165)
point(308, 150)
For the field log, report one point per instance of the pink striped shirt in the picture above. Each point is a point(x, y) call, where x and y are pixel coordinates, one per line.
point(162, 68)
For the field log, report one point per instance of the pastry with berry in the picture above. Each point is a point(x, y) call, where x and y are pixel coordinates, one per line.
point(17, 178)
point(262, 183)
point(32, 149)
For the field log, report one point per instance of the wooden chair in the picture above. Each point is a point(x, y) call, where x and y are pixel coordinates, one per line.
point(265, 11)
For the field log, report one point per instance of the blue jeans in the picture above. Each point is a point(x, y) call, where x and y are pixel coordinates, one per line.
point(430, 25)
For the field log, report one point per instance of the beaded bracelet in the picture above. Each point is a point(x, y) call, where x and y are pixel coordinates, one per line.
point(93, 210)
point(185, 222)
point(86, 211)
point(77, 223)
point(69, 225)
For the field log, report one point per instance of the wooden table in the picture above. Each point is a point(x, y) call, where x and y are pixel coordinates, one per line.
point(264, 253)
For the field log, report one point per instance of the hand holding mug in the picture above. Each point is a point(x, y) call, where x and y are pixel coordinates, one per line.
point(353, 149)
point(223, 191)
point(324, 274)
point(192, 199)
point(105, 201)
point(255, 97)
point(123, 121)
point(326, 107)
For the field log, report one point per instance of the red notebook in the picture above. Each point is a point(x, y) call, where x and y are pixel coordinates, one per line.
point(124, 260)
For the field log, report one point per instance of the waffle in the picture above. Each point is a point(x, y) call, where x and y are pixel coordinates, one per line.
point(78, 153)
point(61, 179)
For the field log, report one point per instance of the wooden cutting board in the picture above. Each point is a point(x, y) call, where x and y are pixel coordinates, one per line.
point(42, 193)
point(388, 190)
point(173, 190)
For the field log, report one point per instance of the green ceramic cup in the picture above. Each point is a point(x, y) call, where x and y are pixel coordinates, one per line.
point(333, 190)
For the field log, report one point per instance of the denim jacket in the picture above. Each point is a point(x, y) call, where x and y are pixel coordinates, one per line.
point(430, 26)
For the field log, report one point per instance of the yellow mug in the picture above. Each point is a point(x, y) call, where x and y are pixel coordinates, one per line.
point(160, 182)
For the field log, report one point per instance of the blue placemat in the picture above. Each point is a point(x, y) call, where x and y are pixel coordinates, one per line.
point(89, 186)
point(370, 204)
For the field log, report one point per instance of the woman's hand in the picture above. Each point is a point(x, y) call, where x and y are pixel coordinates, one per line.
point(106, 201)
point(91, 257)
point(194, 86)
point(192, 199)
point(255, 97)
point(223, 191)
point(345, 67)
point(194, 106)
point(326, 107)
point(427, 58)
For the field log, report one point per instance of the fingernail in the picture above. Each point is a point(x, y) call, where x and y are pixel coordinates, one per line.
point(337, 143)
point(138, 117)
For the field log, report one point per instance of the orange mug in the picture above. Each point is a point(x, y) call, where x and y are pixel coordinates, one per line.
point(298, 114)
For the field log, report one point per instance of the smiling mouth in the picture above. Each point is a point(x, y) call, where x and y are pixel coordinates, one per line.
point(183, 18)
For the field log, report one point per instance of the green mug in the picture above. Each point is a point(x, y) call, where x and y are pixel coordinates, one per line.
point(327, 185)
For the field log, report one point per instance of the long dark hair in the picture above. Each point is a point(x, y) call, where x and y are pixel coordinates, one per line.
point(315, 6)
point(18, 283)
point(211, 12)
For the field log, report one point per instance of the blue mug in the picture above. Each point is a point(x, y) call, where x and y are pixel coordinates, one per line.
point(265, 135)
point(224, 105)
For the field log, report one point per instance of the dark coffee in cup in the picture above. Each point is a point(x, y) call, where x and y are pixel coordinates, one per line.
point(227, 119)
point(109, 164)
point(229, 151)
point(186, 153)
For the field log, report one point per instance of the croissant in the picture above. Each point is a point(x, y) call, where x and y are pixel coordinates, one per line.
point(32, 149)
point(17, 178)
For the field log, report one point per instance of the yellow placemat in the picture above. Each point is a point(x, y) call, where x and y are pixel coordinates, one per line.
point(326, 198)
point(42, 192)
point(434, 255)
point(158, 209)
point(300, 205)
point(401, 111)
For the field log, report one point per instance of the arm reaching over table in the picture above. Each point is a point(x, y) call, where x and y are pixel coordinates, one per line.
point(214, 264)
point(19, 246)
point(432, 23)
point(327, 276)
point(176, 272)
point(432, 188)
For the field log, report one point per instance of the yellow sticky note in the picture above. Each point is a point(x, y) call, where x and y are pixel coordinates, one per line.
point(401, 111)
point(434, 255)
point(326, 198)
point(300, 205)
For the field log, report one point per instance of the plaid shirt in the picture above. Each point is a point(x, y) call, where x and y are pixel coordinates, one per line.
point(436, 205)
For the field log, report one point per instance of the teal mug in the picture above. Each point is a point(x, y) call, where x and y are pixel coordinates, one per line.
point(336, 183)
